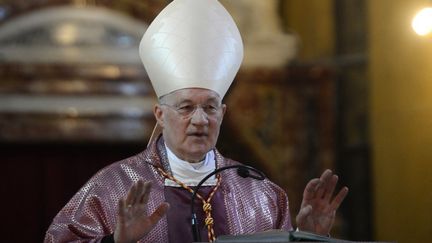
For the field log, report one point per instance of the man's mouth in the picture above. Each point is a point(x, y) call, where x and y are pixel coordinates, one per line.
point(198, 134)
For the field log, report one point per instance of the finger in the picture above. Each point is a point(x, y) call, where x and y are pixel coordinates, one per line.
point(310, 192)
point(324, 180)
point(326, 175)
point(320, 190)
point(131, 195)
point(158, 213)
point(339, 198)
point(138, 193)
point(121, 211)
point(331, 187)
point(145, 195)
point(310, 189)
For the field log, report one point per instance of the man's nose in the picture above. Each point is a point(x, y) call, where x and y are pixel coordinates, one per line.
point(199, 117)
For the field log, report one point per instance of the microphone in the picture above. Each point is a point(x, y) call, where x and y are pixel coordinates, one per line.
point(242, 170)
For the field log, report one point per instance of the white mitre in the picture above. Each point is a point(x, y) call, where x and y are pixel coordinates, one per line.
point(192, 44)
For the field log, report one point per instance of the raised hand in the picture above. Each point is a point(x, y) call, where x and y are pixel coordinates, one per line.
point(318, 209)
point(133, 223)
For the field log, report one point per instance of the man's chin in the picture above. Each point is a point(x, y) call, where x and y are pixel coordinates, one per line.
point(198, 152)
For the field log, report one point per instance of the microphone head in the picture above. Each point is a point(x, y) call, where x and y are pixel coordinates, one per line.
point(243, 172)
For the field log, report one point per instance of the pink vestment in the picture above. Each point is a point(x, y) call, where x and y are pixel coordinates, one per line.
point(240, 206)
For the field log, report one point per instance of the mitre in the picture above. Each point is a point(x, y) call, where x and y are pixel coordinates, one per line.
point(192, 44)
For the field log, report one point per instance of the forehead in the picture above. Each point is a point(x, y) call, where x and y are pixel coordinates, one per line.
point(192, 95)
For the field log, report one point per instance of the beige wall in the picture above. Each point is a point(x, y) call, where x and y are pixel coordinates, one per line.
point(401, 109)
point(401, 122)
point(313, 21)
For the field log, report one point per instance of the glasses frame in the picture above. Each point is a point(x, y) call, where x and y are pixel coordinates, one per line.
point(182, 110)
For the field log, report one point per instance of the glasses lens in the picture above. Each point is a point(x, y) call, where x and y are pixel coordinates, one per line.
point(189, 110)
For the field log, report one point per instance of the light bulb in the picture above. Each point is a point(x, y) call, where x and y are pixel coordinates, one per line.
point(422, 22)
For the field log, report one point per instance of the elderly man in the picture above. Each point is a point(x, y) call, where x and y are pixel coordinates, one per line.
point(191, 51)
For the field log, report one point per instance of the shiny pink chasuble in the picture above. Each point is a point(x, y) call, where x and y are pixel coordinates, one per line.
point(240, 205)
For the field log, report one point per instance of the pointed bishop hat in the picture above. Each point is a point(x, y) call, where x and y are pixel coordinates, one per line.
point(191, 44)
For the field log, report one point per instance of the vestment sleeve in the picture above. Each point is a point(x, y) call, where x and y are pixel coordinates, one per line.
point(284, 217)
point(88, 217)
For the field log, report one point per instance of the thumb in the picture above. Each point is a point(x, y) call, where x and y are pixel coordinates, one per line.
point(158, 213)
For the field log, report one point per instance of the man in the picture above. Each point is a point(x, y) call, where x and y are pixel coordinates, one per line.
point(191, 52)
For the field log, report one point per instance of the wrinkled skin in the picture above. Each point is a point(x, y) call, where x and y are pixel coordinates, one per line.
point(133, 222)
point(318, 209)
point(190, 138)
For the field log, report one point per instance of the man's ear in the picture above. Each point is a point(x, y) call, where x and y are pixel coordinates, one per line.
point(224, 107)
point(158, 113)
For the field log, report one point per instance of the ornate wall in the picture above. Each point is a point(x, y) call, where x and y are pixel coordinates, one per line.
point(65, 120)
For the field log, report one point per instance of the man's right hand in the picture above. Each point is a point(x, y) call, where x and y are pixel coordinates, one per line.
point(133, 223)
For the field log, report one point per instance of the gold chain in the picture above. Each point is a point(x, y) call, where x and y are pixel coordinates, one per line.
point(209, 222)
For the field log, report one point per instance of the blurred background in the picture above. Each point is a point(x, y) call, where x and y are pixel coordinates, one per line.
point(325, 84)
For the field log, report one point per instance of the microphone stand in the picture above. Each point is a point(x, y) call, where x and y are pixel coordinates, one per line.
point(242, 170)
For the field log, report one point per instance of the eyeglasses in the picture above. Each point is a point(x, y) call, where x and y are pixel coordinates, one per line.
point(187, 111)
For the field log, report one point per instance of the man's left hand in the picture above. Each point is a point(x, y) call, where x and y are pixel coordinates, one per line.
point(318, 208)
